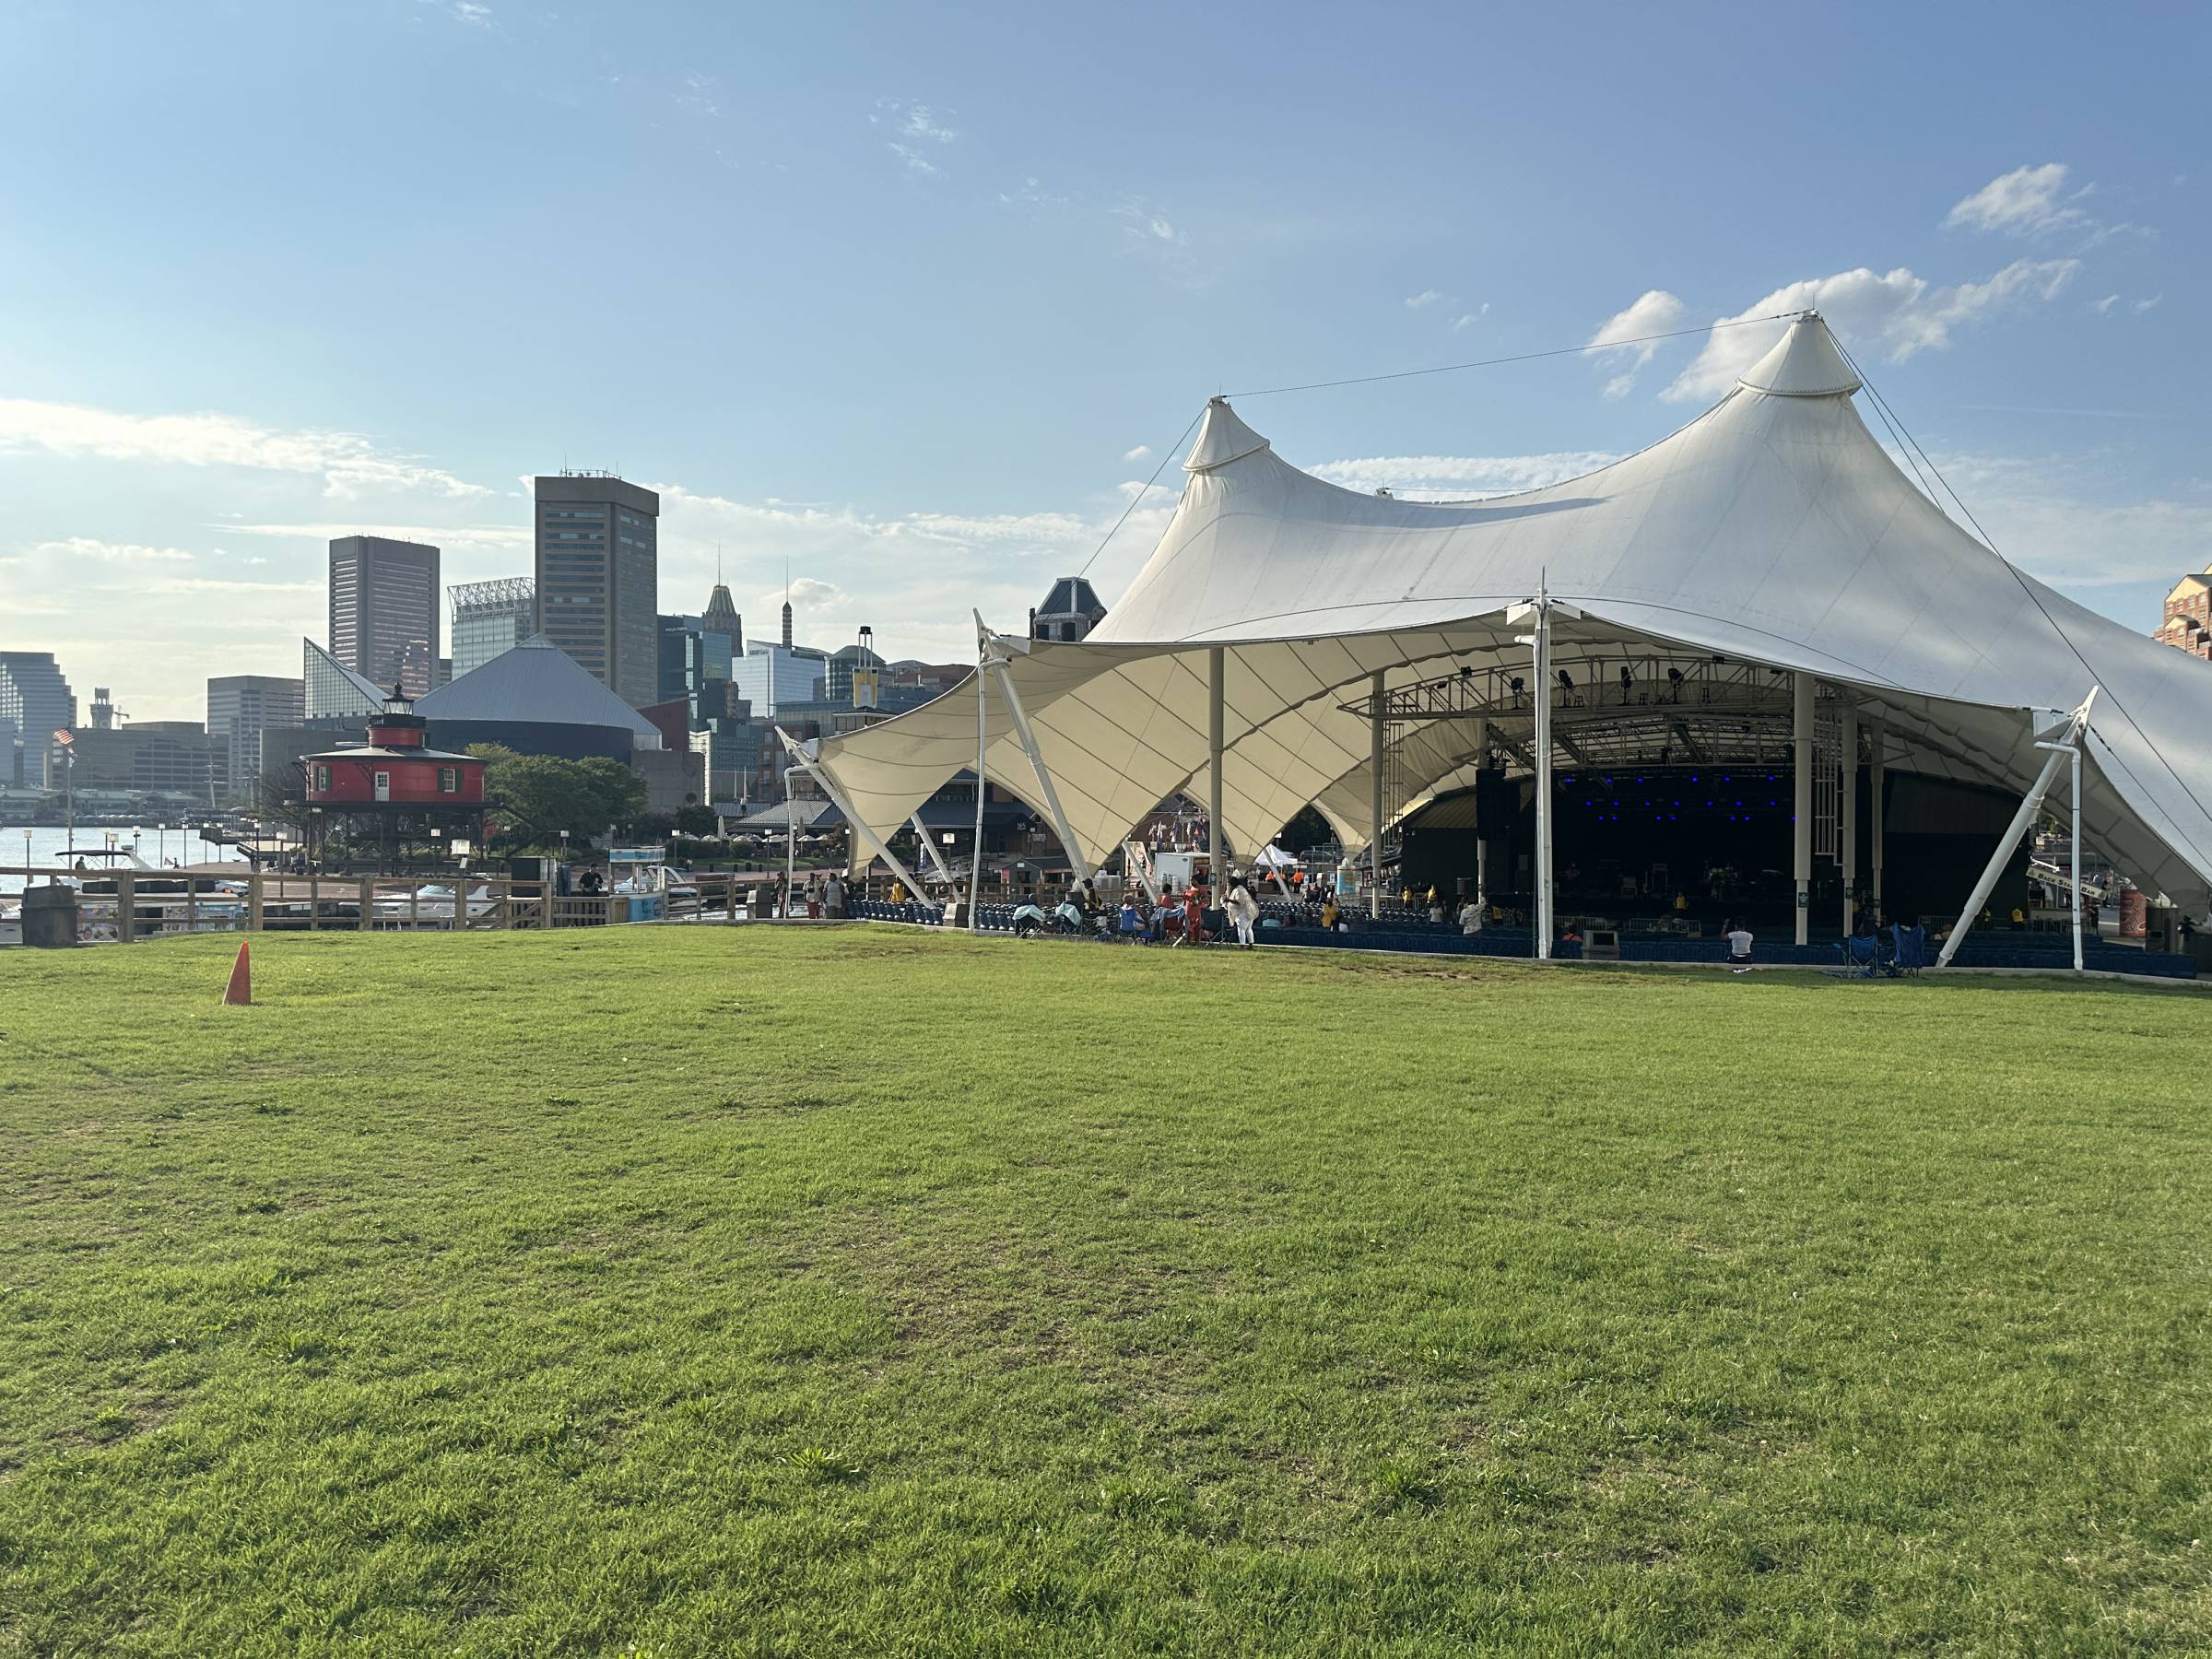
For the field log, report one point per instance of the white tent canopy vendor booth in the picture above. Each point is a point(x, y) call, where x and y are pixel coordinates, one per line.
point(1292, 643)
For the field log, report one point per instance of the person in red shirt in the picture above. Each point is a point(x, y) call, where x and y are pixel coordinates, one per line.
point(1193, 919)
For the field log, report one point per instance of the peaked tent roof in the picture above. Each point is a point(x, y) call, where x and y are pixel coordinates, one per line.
point(535, 681)
point(1773, 528)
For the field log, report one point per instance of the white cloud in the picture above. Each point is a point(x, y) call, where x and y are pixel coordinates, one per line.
point(469, 12)
point(349, 464)
point(2103, 305)
point(228, 585)
point(921, 124)
point(1419, 477)
point(2022, 202)
point(488, 538)
point(2049, 515)
point(1143, 451)
point(1461, 324)
point(106, 552)
point(1622, 335)
point(1893, 315)
point(1425, 298)
point(2144, 305)
point(914, 162)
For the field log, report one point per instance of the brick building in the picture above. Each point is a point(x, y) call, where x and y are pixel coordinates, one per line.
point(2188, 624)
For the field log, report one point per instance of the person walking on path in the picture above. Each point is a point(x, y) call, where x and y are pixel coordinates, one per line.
point(833, 896)
point(1244, 910)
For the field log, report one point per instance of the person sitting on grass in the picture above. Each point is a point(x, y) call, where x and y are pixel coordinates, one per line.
point(1739, 945)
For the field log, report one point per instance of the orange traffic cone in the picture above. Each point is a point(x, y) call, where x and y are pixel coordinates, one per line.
point(241, 989)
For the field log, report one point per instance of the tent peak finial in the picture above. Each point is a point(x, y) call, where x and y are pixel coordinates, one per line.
point(1222, 436)
point(1805, 362)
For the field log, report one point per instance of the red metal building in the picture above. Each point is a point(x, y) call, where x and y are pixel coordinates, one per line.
point(396, 799)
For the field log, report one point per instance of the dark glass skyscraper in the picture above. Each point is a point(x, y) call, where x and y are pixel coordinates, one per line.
point(383, 609)
point(598, 578)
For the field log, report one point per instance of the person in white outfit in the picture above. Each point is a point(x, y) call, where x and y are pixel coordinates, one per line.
point(1244, 910)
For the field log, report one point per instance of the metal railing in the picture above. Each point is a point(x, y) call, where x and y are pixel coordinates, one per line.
point(129, 906)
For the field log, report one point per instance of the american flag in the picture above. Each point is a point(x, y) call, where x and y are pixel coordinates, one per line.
point(64, 736)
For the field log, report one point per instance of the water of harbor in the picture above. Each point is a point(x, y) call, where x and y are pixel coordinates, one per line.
point(49, 845)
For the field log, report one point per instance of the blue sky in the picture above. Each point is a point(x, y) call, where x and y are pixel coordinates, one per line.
point(900, 294)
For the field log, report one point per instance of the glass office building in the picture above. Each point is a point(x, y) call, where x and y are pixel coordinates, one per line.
point(490, 617)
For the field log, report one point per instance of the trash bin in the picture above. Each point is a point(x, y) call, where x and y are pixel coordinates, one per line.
point(50, 916)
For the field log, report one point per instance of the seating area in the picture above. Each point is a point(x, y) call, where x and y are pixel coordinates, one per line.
point(1412, 933)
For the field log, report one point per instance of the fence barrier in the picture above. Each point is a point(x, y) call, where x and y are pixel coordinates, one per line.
point(129, 906)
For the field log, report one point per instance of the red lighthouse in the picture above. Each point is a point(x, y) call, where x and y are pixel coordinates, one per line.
point(396, 801)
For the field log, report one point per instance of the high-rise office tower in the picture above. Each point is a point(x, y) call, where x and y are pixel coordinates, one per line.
point(383, 609)
point(490, 617)
point(37, 701)
point(598, 578)
point(243, 706)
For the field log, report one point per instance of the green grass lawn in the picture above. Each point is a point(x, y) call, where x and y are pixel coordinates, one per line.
point(706, 1291)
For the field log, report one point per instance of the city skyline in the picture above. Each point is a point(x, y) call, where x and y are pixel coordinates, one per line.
point(917, 438)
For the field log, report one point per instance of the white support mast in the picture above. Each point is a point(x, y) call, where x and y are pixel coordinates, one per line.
point(1482, 827)
point(998, 657)
point(1801, 740)
point(1877, 758)
point(935, 857)
point(1542, 609)
point(1847, 726)
point(2065, 741)
point(1376, 689)
point(2074, 858)
point(1216, 845)
point(983, 739)
point(856, 825)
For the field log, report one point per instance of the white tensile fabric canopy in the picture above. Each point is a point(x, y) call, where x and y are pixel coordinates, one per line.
point(1772, 529)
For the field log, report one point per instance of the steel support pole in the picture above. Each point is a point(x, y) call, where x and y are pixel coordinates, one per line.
point(1543, 858)
point(2065, 743)
point(1877, 744)
point(1216, 856)
point(1800, 862)
point(1376, 692)
point(1849, 729)
point(936, 858)
point(1482, 827)
point(2022, 821)
point(983, 739)
point(2074, 859)
point(995, 654)
point(856, 826)
point(790, 846)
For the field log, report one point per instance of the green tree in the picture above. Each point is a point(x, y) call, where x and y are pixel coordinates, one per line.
point(535, 797)
point(696, 821)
